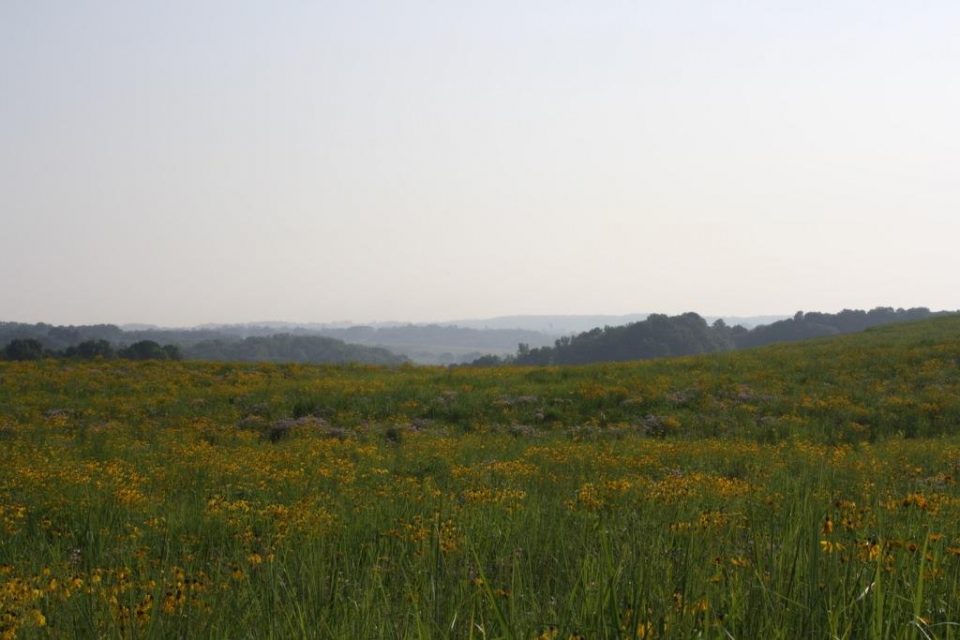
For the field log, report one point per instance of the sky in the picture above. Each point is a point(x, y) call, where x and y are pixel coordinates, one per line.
point(184, 162)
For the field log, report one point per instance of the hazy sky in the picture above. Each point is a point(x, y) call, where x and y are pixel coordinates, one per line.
point(199, 161)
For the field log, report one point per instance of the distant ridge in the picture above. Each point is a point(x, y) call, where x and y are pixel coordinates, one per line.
point(539, 339)
point(660, 336)
point(559, 325)
point(201, 344)
point(550, 324)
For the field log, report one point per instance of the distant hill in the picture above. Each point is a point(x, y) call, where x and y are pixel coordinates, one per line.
point(425, 344)
point(204, 344)
point(559, 325)
point(816, 325)
point(748, 322)
point(422, 343)
point(651, 336)
point(689, 334)
point(437, 344)
point(285, 347)
point(556, 325)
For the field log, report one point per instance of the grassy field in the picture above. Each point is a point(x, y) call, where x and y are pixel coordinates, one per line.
point(798, 491)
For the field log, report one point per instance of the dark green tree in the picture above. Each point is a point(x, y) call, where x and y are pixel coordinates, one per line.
point(23, 349)
point(144, 350)
point(172, 351)
point(90, 349)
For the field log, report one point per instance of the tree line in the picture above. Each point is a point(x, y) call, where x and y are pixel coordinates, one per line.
point(285, 347)
point(32, 349)
point(275, 348)
point(657, 336)
point(689, 334)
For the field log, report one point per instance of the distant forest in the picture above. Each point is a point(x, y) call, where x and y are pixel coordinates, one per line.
point(425, 344)
point(284, 347)
point(688, 334)
point(655, 337)
point(32, 341)
point(439, 344)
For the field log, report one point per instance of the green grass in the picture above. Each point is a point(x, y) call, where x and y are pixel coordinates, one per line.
point(803, 490)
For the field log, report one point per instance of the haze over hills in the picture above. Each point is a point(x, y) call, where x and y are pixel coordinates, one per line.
point(423, 344)
point(550, 324)
point(655, 335)
point(196, 344)
point(462, 341)
point(566, 324)
point(451, 342)
point(661, 336)
point(556, 325)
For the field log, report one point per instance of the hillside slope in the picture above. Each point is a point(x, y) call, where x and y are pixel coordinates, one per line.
point(899, 379)
point(661, 336)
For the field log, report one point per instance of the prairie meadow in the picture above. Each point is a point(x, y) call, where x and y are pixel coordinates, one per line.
point(801, 490)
